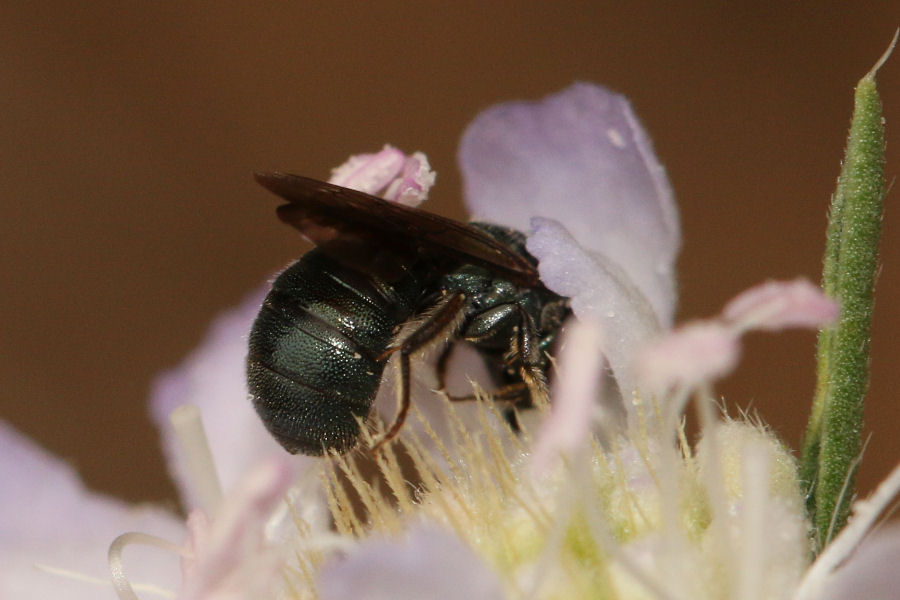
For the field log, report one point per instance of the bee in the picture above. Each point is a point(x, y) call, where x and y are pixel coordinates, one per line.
point(325, 331)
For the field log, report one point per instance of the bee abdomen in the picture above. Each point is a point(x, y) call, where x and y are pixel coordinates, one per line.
point(312, 368)
point(303, 419)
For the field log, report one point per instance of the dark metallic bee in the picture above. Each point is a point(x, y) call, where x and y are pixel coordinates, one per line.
point(326, 329)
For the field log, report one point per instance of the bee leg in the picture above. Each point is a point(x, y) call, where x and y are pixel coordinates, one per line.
point(441, 366)
point(513, 392)
point(442, 317)
point(530, 354)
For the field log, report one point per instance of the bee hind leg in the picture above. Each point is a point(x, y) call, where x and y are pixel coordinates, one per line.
point(443, 316)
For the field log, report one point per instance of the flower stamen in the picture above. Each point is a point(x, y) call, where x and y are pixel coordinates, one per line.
point(99, 581)
point(120, 582)
point(197, 456)
point(755, 488)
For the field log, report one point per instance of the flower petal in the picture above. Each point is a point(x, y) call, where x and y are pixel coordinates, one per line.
point(599, 292)
point(48, 518)
point(430, 563)
point(580, 157)
point(871, 572)
point(213, 378)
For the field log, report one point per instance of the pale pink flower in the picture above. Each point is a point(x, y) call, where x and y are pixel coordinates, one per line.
point(389, 173)
point(625, 514)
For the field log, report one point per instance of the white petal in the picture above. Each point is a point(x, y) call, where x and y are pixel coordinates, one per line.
point(580, 157)
point(48, 518)
point(430, 563)
point(871, 573)
point(599, 292)
point(213, 378)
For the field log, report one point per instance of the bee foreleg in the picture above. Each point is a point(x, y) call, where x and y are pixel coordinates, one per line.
point(530, 354)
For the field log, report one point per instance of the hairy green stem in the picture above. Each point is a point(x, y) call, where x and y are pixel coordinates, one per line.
point(834, 434)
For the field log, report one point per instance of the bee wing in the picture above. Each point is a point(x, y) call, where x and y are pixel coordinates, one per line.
point(327, 213)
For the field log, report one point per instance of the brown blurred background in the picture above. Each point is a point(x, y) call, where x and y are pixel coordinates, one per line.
point(129, 217)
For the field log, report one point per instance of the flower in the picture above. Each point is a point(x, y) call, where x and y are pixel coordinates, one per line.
point(602, 497)
point(578, 172)
point(389, 174)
